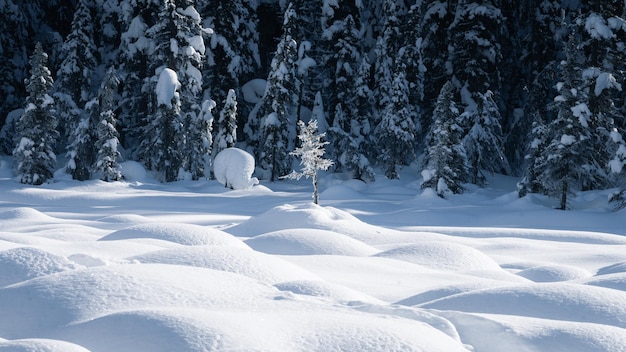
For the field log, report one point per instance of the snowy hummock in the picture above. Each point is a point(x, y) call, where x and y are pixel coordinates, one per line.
point(384, 266)
point(233, 168)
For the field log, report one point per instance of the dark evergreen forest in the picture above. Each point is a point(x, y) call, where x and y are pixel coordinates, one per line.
point(461, 88)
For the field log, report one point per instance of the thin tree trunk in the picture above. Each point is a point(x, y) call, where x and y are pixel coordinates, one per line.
point(564, 197)
point(315, 191)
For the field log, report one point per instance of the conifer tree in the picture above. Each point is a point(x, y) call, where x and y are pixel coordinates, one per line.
point(569, 162)
point(396, 131)
point(272, 120)
point(226, 136)
point(14, 58)
point(36, 129)
point(483, 142)
point(80, 150)
point(445, 162)
point(534, 158)
point(74, 77)
point(233, 54)
point(475, 50)
point(107, 142)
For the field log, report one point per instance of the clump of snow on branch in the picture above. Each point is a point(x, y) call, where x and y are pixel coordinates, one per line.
point(167, 86)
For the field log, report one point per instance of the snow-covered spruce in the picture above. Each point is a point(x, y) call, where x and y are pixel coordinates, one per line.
point(233, 168)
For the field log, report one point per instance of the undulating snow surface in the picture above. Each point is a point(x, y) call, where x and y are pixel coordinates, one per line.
point(192, 266)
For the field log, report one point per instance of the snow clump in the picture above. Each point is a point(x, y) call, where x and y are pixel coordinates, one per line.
point(233, 168)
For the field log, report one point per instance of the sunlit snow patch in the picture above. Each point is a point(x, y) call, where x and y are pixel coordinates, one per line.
point(309, 242)
point(185, 234)
point(443, 256)
point(39, 345)
point(24, 263)
point(237, 260)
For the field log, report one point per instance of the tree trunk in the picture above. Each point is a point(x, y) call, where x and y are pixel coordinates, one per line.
point(563, 205)
point(315, 191)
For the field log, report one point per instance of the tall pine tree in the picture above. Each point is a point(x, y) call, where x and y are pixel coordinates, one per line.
point(36, 129)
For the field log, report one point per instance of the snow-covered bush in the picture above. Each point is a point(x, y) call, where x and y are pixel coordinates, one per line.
point(233, 168)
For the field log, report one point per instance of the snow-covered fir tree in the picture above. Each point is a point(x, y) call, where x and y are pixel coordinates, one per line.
point(136, 69)
point(36, 130)
point(232, 53)
point(483, 141)
point(163, 133)
point(396, 131)
point(107, 142)
point(534, 158)
point(74, 77)
point(475, 52)
point(570, 163)
point(435, 19)
point(226, 127)
point(80, 149)
point(270, 124)
point(312, 155)
point(387, 46)
point(445, 163)
point(14, 58)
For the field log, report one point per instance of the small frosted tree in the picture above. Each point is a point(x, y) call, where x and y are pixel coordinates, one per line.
point(312, 155)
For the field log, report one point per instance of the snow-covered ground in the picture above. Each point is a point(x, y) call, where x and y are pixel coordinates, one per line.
point(192, 266)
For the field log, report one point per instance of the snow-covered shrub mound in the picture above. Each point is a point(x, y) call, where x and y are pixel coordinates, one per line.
point(39, 345)
point(246, 262)
point(24, 263)
point(443, 256)
point(556, 301)
point(233, 168)
point(185, 234)
point(309, 242)
point(554, 273)
point(50, 302)
point(326, 290)
point(133, 171)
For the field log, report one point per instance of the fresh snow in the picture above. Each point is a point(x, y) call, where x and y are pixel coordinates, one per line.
point(233, 167)
point(192, 266)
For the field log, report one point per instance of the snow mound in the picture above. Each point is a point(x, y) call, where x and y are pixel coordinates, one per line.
point(47, 303)
point(309, 215)
point(289, 329)
point(233, 168)
point(443, 256)
point(24, 263)
point(309, 242)
point(556, 301)
point(26, 214)
point(133, 171)
point(39, 345)
point(258, 266)
point(615, 281)
point(514, 333)
point(185, 234)
point(253, 90)
point(446, 291)
point(125, 219)
point(613, 269)
point(554, 273)
point(326, 290)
